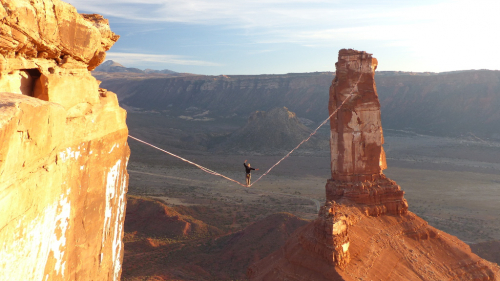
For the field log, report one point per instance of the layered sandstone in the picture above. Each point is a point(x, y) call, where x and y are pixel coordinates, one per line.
point(63, 147)
point(365, 231)
point(356, 129)
point(52, 30)
point(357, 155)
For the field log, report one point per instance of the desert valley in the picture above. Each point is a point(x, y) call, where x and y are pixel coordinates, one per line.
point(448, 169)
point(400, 181)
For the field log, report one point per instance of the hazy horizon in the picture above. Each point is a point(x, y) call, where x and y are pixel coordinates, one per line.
point(318, 71)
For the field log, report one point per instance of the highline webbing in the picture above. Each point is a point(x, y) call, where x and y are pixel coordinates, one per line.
point(272, 167)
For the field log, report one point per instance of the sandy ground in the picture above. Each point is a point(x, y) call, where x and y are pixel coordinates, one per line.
point(192, 186)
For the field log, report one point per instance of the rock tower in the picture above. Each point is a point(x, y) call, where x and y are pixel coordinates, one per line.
point(357, 155)
point(365, 230)
point(63, 146)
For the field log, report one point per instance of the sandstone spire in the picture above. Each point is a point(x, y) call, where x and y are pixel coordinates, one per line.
point(356, 130)
point(357, 156)
point(365, 231)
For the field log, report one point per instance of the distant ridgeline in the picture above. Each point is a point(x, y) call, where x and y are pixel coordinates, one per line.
point(112, 67)
point(449, 103)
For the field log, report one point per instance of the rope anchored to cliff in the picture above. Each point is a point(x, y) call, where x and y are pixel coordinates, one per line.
point(272, 167)
point(207, 170)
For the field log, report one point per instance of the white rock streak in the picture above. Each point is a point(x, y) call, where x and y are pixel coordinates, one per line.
point(68, 153)
point(111, 184)
point(116, 183)
point(58, 242)
point(117, 239)
point(46, 233)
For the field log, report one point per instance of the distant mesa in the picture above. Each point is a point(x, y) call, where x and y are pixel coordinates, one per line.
point(440, 104)
point(276, 131)
point(164, 71)
point(235, 97)
point(114, 67)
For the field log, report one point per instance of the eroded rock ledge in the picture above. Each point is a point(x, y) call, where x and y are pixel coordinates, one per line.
point(63, 147)
point(51, 30)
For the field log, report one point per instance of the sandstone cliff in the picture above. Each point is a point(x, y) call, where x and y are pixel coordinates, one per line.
point(63, 147)
point(449, 104)
point(365, 231)
point(235, 95)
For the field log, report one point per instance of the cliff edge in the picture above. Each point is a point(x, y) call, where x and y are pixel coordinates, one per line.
point(63, 147)
point(365, 231)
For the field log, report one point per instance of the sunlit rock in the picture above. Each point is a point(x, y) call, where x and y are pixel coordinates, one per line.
point(365, 231)
point(63, 147)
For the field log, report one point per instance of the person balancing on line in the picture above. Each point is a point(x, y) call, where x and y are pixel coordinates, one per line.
point(248, 170)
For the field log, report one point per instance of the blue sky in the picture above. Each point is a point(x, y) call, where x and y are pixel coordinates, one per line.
point(282, 36)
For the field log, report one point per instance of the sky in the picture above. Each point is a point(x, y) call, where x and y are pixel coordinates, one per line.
point(216, 37)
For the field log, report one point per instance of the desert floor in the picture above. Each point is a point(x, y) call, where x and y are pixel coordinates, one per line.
point(453, 183)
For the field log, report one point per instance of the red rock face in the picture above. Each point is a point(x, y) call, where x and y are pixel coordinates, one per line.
point(63, 147)
point(356, 130)
point(343, 243)
point(375, 197)
point(357, 156)
point(365, 231)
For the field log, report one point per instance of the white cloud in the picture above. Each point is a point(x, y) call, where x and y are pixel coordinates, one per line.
point(302, 16)
point(320, 19)
point(258, 13)
point(136, 58)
